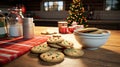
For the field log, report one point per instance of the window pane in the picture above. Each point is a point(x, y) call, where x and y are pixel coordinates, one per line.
point(50, 5)
point(114, 2)
point(60, 7)
point(60, 3)
point(55, 6)
point(46, 6)
point(111, 4)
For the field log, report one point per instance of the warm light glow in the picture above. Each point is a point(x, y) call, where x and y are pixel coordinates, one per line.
point(108, 8)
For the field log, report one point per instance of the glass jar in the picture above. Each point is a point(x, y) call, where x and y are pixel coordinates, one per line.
point(15, 23)
point(3, 27)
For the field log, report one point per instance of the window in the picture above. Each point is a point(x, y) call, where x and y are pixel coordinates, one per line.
point(53, 5)
point(111, 4)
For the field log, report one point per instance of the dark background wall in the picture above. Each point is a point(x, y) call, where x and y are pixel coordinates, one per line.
point(101, 18)
point(34, 5)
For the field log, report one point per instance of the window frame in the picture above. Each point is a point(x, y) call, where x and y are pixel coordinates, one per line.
point(47, 7)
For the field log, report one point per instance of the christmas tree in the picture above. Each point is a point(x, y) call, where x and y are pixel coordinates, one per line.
point(76, 13)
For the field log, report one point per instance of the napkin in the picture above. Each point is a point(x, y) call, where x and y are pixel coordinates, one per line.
point(16, 47)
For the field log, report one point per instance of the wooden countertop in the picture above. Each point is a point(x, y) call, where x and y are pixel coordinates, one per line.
point(106, 56)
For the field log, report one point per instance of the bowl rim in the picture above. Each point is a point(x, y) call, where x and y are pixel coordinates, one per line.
point(93, 35)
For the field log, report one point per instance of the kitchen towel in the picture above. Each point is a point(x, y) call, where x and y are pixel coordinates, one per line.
point(16, 47)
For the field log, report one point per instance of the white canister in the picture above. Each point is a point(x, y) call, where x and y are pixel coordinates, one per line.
point(28, 28)
point(15, 30)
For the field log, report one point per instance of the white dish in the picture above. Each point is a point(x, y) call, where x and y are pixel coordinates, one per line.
point(92, 41)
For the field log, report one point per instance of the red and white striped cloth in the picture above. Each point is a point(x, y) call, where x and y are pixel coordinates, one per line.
point(13, 48)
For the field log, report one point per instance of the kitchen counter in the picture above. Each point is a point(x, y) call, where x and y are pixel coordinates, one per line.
point(106, 56)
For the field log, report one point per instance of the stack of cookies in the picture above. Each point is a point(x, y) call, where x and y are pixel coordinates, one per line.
point(55, 49)
point(59, 42)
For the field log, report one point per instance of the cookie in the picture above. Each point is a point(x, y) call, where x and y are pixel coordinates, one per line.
point(99, 31)
point(72, 52)
point(55, 39)
point(56, 35)
point(52, 56)
point(66, 44)
point(48, 33)
point(40, 48)
point(87, 30)
point(53, 49)
point(55, 46)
